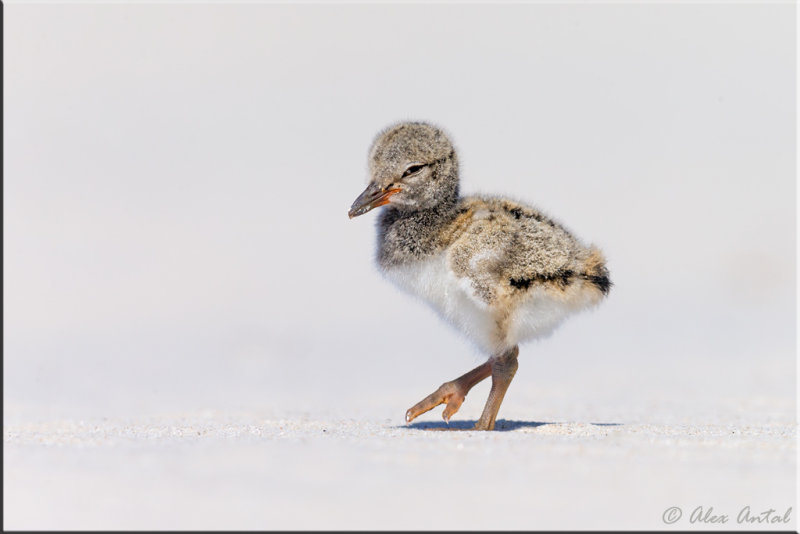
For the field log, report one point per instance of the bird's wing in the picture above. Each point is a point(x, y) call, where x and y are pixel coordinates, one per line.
point(480, 255)
point(542, 249)
point(509, 245)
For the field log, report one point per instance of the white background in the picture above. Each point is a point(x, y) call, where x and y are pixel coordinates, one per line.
point(177, 179)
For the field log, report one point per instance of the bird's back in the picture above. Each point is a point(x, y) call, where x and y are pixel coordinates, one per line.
point(522, 248)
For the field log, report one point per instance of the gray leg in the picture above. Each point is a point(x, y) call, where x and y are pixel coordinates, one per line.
point(503, 368)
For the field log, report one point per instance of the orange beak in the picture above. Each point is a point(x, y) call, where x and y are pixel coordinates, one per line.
point(372, 197)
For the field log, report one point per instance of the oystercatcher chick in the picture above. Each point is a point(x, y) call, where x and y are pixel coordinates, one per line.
point(500, 271)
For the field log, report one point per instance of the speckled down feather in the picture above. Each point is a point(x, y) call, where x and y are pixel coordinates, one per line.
point(500, 271)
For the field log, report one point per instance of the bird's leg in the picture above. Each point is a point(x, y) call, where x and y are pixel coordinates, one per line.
point(503, 368)
point(451, 393)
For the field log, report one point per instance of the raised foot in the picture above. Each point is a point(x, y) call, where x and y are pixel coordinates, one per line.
point(450, 393)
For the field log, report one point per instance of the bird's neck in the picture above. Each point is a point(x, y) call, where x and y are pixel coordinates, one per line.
point(406, 235)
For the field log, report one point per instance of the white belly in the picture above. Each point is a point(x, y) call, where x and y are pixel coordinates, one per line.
point(542, 312)
point(452, 298)
point(455, 301)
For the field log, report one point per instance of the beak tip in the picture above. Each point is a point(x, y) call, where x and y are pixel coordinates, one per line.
point(371, 198)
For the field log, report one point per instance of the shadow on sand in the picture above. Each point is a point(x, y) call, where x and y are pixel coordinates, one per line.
point(501, 425)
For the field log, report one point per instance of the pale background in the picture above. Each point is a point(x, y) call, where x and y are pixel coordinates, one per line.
point(187, 305)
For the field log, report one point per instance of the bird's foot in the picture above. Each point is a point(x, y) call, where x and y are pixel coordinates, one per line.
point(484, 425)
point(450, 393)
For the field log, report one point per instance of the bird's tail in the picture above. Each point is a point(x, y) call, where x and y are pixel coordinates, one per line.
point(596, 272)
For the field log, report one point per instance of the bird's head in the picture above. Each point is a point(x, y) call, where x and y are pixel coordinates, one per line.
point(413, 166)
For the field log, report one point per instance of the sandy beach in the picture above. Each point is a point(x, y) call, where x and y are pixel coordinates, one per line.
point(587, 460)
point(254, 471)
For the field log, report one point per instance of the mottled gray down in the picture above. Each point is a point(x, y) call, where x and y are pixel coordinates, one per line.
point(516, 247)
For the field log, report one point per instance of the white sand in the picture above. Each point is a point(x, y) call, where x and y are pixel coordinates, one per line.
point(269, 470)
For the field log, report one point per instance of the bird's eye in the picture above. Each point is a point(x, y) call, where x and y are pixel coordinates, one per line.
point(412, 170)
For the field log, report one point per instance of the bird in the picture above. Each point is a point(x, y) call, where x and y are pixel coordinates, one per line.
point(500, 271)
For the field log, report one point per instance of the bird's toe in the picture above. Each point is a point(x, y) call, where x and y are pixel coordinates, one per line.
point(448, 393)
